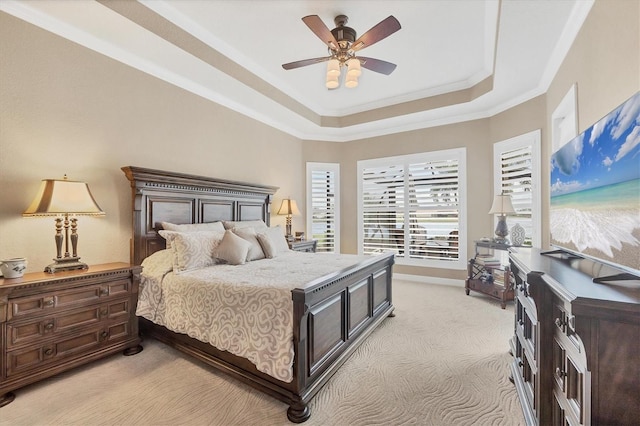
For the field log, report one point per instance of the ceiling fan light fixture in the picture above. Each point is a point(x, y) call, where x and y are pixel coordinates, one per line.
point(353, 67)
point(333, 67)
point(332, 81)
point(352, 81)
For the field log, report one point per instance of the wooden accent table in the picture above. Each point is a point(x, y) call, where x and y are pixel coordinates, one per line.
point(50, 323)
point(493, 279)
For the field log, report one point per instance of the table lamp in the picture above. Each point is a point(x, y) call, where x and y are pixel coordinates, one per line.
point(289, 208)
point(64, 198)
point(502, 206)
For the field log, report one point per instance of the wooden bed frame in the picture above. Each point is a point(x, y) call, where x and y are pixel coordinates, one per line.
point(332, 316)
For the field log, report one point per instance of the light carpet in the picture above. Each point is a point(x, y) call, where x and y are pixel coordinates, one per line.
point(442, 360)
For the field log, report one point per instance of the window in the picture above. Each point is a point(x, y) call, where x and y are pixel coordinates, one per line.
point(323, 205)
point(517, 173)
point(415, 206)
point(564, 122)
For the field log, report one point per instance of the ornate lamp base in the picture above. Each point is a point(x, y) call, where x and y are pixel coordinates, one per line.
point(65, 264)
point(502, 230)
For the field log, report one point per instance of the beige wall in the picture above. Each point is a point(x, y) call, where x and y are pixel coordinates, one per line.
point(66, 109)
point(604, 63)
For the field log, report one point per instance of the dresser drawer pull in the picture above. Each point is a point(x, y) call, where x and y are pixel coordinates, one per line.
point(48, 303)
point(104, 334)
point(560, 373)
point(104, 291)
point(48, 326)
point(104, 312)
point(48, 352)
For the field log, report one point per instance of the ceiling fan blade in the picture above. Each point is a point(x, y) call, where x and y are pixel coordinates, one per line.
point(380, 31)
point(304, 63)
point(318, 27)
point(377, 65)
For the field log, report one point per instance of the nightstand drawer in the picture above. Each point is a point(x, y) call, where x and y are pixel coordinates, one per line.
point(48, 354)
point(24, 332)
point(49, 302)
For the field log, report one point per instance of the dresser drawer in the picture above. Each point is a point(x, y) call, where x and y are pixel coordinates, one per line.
point(26, 331)
point(45, 303)
point(48, 354)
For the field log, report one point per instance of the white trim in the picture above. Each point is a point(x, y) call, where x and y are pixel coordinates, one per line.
point(533, 139)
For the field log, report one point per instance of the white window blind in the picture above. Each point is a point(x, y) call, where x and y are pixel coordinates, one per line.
point(414, 206)
point(323, 205)
point(517, 174)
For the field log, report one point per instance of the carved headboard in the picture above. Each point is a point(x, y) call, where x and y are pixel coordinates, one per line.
point(160, 196)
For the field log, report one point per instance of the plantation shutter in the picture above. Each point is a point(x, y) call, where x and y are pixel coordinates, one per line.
point(382, 208)
point(412, 205)
point(323, 201)
point(516, 181)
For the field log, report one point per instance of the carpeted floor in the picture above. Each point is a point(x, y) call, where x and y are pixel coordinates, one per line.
point(443, 360)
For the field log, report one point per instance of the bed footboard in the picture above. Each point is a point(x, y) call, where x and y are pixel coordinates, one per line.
point(331, 318)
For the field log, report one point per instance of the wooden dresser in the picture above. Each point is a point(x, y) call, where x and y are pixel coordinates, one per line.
point(576, 344)
point(50, 323)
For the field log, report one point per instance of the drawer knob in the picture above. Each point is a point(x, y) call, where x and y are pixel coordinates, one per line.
point(48, 352)
point(559, 323)
point(104, 312)
point(104, 334)
point(48, 303)
point(104, 291)
point(560, 373)
point(520, 364)
point(48, 326)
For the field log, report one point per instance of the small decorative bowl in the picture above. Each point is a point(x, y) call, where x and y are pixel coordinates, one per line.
point(13, 268)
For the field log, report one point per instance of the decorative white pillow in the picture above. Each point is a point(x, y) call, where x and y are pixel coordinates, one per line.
point(159, 262)
point(192, 250)
point(268, 247)
point(257, 224)
point(191, 227)
point(276, 235)
point(232, 249)
point(249, 234)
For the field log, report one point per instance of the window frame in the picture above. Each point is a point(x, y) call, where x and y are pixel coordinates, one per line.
point(518, 142)
point(458, 154)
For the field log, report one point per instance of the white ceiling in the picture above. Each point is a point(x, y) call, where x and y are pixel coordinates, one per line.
point(457, 60)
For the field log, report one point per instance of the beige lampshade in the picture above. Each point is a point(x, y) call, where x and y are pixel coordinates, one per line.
point(351, 81)
point(56, 197)
point(333, 67)
point(353, 67)
point(332, 81)
point(288, 207)
point(502, 205)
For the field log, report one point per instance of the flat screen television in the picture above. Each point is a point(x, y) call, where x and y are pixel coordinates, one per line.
point(595, 191)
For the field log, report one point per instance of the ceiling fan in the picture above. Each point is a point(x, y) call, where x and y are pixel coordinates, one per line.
point(343, 45)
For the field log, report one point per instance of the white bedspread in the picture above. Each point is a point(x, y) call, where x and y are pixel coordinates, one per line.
point(246, 309)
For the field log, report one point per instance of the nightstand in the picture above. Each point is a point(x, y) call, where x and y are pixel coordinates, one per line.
point(50, 323)
point(304, 245)
point(489, 273)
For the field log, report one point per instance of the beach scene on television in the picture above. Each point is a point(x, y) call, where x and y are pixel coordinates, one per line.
point(595, 190)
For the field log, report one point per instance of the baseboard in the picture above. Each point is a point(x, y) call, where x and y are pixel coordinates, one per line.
point(429, 280)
